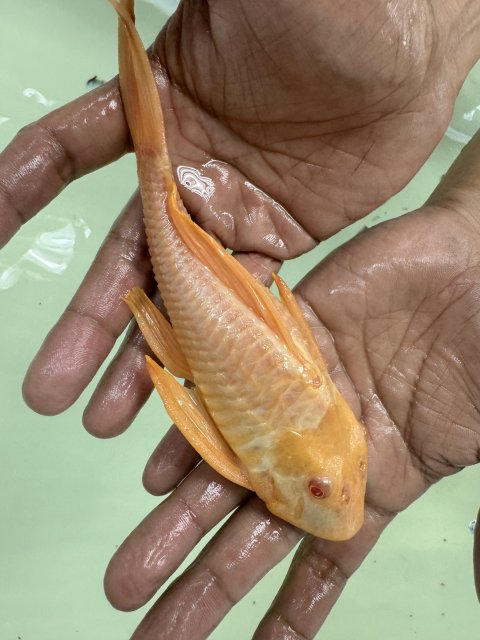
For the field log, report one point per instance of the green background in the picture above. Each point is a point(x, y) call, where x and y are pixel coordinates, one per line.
point(68, 500)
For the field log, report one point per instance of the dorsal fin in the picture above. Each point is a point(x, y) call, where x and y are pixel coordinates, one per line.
point(233, 275)
point(138, 88)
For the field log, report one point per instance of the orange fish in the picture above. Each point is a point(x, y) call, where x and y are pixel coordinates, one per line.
point(263, 410)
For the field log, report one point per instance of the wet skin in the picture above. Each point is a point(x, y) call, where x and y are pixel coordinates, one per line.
point(324, 134)
point(402, 321)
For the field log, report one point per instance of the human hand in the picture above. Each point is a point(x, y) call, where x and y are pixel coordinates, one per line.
point(302, 107)
point(396, 313)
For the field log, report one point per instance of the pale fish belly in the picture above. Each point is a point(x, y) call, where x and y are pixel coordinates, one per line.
point(251, 384)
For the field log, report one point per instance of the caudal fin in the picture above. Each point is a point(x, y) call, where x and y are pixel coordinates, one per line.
point(137, 84)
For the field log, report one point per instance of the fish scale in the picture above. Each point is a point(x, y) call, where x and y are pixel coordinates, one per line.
point(190, 291)
point(228, 379)
point(250, 370)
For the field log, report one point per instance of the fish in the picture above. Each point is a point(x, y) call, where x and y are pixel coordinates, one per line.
point(260, 406)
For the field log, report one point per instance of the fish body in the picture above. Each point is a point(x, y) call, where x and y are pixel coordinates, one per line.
point(263, 410)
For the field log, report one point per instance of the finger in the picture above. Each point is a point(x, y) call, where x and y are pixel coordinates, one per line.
point(123, 389)
point(160, 543)
point(249, 545)
point(125, 386)
point(317, 576)
point(45, 156)
point(96, 316)
point(219, 195)
point(476, 556)
point(259, 265)
point(171, 461)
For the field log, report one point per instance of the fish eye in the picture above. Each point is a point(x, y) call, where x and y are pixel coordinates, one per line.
point(320, 487)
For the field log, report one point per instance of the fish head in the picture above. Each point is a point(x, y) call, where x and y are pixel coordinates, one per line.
point(318, 480)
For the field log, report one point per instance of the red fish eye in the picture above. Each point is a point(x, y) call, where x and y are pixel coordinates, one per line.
point(320, 487)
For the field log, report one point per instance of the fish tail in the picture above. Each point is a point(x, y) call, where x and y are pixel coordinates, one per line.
point(139, 92)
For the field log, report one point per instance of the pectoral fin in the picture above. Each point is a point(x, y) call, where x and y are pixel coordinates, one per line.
point(197, 426)
point(294, 310)
point(158, 333)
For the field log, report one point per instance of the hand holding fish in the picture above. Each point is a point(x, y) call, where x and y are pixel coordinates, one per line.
point(341, 164)
point(323, 134)
point(403, 312)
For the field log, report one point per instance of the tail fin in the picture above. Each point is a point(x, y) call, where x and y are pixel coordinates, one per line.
point(137, 84)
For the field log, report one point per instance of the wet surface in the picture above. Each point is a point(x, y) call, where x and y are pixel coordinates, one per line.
point(68, 499)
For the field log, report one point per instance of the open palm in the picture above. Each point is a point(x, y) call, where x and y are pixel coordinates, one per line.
point(286, 121)
point(396, 312)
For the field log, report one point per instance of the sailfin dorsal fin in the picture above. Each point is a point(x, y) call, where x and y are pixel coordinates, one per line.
point(229, 271)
